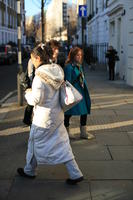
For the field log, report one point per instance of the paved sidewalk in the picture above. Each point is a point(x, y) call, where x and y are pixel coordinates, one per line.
point(106, 161)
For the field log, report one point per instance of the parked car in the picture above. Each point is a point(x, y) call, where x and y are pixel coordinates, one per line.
point(7, 54)
point(15, 52)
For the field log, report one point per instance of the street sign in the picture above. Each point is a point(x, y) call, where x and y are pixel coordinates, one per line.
point(82, 10)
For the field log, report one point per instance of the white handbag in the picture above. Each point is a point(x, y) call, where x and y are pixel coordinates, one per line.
point(69, 96)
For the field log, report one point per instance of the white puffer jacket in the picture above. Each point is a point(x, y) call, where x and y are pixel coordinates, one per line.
point(48, 141)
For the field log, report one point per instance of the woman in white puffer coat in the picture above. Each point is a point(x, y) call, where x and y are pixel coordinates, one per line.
point(48, 141)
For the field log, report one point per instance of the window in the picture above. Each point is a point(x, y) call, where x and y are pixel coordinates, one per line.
point(3, 38)
point(9, 3)
point(92, 8)
point(102, 5)
point(96, 7)
point(0, 17)
point(3, 17)
point(6, 37)
point(112, 28)
point(106, 3)
point(106, 25)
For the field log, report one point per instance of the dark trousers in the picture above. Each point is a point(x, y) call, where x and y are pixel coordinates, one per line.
point(28, 115)
point(83, 120)
point(111, 71)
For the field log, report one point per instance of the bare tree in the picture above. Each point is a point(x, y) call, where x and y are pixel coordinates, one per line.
point(34, 29)
point(72, 20)
point(44, 3)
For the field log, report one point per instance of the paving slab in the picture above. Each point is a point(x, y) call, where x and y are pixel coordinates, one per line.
point(5, 110)
point(125, 113)
point(114, 103)
point(121, 152)
point(104, 122)
point(101, 170)
point(52, 172)
point(12, 154)
point(91, 152)
point(79, 143)
point(18, 112)
point(2, 116)
point(130, 134)
point(110, 101)
point(5, 186)
point(110, 123)
point(48, 190)
point(98, 126)
point(123, 106)
point(113, 138)
point(12, 119)
point(101, 112)
point(112, 190)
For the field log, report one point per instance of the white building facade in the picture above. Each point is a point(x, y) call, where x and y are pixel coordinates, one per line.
point(121, 36)
point(8, 21)
point(97, 28)
point(130, 44)
point(110, 22)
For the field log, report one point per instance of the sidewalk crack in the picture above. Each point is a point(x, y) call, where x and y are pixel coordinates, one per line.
point(109, 152)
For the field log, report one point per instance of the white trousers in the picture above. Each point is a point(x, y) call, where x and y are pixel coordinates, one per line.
point(72, 167)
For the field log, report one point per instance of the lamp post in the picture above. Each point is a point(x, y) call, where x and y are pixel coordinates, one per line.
point(20, 67)
point(83, 28)
point(42, 19)
point(68, 32)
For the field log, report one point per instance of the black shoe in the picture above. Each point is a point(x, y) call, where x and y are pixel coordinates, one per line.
point(74, 181)
point(23, 174)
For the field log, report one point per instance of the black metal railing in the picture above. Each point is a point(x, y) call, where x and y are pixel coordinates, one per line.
point(95, 53)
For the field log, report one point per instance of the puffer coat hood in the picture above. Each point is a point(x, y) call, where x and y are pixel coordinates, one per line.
point(51, 74)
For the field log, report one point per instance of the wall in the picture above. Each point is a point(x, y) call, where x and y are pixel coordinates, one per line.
point(120, 15)
point(98, 28)
point(113, 25)
point(130, 43)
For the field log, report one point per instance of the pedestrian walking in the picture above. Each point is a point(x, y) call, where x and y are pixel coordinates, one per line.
point(30, 73)
point(57, 58)
point(48, 141)
point(55, 45)
point(74, 74)
point(112, 57)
